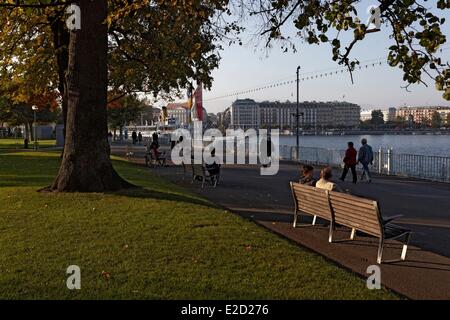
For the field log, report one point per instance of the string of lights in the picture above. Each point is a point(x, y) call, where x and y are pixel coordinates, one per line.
point(309, 76)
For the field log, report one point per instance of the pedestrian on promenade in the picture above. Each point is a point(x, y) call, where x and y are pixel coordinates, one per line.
point(140, 138)
point(134, 137)
point(365, 157)
point(350, 162)
point(155, 138)
point(110, 137)
point(326, 182)
point(308, 176)
point(213, 169)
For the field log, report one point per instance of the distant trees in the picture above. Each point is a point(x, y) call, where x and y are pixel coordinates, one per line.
point(21, 113)
point(436, 120)
point(123, 111)
point(377, 118)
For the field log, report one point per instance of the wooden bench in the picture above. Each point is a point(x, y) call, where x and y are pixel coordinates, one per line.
point(356, 213)
point(313, 201)
point(200, 172)
point(364, 215)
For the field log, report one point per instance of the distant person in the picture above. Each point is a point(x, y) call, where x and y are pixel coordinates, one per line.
point(350, 162)
point(110, 137)
point(134, 137)
point(326, 182)
point(365, 157)
point(155, 138)
point(156, 154)
point(140, 138)
point(213, 169)
point(126, 134)
point(308, 176)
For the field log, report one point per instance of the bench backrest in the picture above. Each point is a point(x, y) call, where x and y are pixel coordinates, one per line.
point(356, 212)
point(311, 200)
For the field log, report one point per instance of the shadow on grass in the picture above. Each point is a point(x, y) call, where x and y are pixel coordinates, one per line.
point(143, 193)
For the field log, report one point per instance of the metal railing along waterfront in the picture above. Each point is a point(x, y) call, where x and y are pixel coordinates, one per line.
point(388, 162)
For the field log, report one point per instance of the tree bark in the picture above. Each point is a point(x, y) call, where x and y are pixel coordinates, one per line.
point(86, 165)
point(61, 41)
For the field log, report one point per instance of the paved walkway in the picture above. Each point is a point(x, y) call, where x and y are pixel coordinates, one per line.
point(425, 206)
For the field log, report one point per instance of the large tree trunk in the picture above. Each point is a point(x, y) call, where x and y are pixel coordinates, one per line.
point(61, 41)
point(86, 165)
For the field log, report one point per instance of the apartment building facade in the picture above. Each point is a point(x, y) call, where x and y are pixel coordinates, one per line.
point(422, 114)
point(250, 114)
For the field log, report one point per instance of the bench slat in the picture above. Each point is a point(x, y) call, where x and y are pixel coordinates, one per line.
point(352, 200)
point(356, 212)
point(354, 216)
point(351, 224)
point(322, 212)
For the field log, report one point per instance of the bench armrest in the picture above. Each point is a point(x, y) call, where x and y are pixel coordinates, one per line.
point(391, 218)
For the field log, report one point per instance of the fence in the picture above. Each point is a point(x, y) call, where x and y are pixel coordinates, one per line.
point(385, 162)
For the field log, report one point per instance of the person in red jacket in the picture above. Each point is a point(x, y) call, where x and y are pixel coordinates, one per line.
point(350, 162)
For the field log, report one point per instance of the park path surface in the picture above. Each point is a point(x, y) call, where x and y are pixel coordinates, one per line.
point(267, 200)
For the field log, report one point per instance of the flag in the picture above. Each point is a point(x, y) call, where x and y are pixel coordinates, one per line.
point(190, 102)
point(164, 114)
point(198, 107)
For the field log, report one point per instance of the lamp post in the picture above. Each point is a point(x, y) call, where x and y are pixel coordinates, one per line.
point(297, 115)
point(35, 109)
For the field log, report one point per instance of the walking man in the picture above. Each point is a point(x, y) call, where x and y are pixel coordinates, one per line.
point(365, 157)
point(350, 162)
point(134, 137)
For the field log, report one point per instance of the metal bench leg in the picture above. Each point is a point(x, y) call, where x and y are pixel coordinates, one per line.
point(314, 220)
point(295, 219)
point(330, 235)
point(380, 250)
point(203, 181)
point(352, 236)
point(405, 246)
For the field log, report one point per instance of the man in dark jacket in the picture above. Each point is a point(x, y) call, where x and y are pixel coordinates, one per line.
point(350, 162)
point(365, 157)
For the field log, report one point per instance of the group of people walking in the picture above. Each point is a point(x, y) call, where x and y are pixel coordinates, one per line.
point(364, 156)
point(136, 137)
point(351, 159)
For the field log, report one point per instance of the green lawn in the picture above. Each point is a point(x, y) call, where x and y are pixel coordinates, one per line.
point(18, 144)
point(160, 242)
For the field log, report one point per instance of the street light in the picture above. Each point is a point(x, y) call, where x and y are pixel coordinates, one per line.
point(35, 109)
point(297, 115)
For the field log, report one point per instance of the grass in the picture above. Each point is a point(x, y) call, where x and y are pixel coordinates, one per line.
point(159, 242)
point(18, 144)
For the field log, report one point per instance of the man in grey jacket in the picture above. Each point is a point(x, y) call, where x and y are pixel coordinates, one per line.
point(365, 157)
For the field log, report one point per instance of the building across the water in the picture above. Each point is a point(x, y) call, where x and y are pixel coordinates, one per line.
point(422, 114)
point(247, 113)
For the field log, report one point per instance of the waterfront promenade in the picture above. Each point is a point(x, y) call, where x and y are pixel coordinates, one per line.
point(268, 201)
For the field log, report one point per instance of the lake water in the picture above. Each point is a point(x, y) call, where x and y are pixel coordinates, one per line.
point(435, 145)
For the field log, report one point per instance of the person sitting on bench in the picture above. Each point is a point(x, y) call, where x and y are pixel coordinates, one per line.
point(308, 176)
point(326, 182)
point(156, 155)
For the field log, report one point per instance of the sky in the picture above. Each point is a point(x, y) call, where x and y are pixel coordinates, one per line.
point(246, 67)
